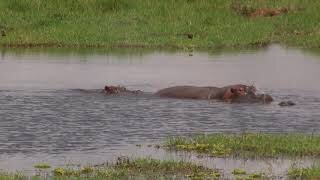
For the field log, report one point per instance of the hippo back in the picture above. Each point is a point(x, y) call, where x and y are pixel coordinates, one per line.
point(190, 92)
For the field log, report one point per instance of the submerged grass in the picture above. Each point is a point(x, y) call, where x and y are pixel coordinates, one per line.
point(42, 166)
point(127, 169)
point(166, 23)
point(304, 173)
point(249, 145)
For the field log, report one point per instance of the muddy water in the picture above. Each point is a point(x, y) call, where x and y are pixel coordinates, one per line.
point(46, 118)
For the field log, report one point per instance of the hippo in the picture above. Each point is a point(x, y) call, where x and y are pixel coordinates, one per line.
point(227, 93)
point(237, 93)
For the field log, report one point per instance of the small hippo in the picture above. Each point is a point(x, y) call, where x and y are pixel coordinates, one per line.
point(227, 93)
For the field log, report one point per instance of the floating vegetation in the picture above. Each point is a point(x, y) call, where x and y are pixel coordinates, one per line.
point(42, 166)
point(239, 172)
point(125, 168)
point(256, 175)
point(242, 174)
point(157, 168)
point(249, 145)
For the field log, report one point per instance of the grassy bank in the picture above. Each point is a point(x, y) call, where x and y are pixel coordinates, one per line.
point(250, 145)
point(124, 169)
point(166, 23)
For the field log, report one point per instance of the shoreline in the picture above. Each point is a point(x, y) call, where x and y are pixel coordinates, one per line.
point(135, 46)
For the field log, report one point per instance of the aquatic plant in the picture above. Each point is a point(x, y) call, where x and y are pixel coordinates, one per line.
point(42, 166)
point(256, 175)
point(249, 144)
point(126, 168)
point(151, 167)
point(239, 172)
point(312, 172)
point(87, 170)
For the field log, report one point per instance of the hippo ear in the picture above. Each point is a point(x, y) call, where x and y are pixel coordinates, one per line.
point(233, 90)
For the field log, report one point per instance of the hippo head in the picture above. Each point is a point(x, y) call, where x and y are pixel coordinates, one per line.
point(113, 89)
point(251, 97)
point(236, 91)
point(246, 94)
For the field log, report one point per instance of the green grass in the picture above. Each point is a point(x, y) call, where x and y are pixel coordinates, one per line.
point(304, 173)
point(126, 169)
point(249, 145)
point(152, 23)
point(239, 172)
point(42, 166)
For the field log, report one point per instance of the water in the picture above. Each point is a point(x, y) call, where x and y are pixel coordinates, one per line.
point(46, 118)
point(273, 168)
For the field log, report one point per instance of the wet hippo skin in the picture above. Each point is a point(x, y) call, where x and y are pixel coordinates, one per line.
point(191, 92)
point(227, 93)
point(253, 98)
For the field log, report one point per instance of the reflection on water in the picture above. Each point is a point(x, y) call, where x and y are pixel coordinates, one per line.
point(44, 117)
point(274, 68)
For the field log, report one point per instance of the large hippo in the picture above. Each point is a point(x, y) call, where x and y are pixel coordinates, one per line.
point(238, 93)
point(232, 93)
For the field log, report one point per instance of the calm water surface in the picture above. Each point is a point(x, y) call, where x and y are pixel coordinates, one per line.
point(46, 118)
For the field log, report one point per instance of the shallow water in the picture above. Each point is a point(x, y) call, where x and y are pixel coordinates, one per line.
point(272, 168)
point(46, 118)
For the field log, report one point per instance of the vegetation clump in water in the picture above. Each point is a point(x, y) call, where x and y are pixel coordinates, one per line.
point(249, 145)
point(239, 172)
point(42, 166)
point(125, 169)
point(304, 173)
point(167, 23)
